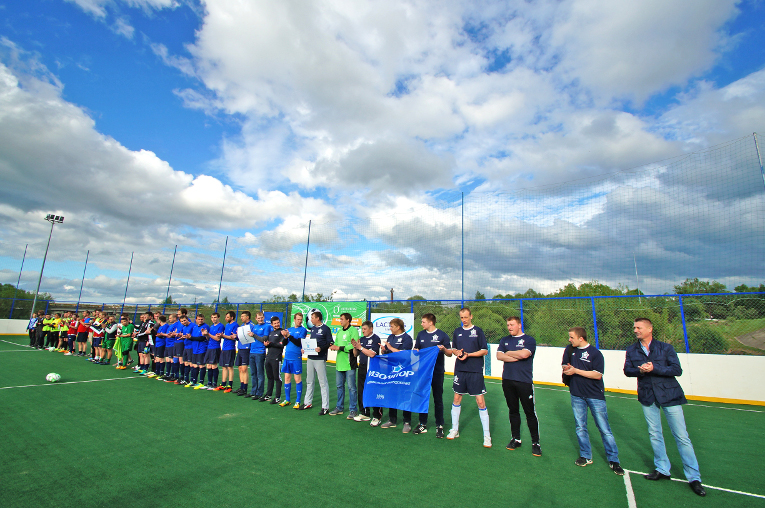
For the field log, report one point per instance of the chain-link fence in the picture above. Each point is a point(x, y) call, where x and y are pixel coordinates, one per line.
point(730, 323)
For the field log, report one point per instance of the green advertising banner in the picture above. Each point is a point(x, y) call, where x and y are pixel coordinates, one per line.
point(331, 312)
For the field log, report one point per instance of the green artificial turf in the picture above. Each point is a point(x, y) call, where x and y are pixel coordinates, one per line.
point(134, 441)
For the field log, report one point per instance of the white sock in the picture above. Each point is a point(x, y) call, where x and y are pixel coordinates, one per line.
point(456, 417)
point(484, 414)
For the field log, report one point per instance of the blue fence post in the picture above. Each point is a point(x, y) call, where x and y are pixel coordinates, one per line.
point(13, 302)
point(261, 307)
point(595, 323)
point(522, 327)
point(685, 329)
point(196, 310)
point(47, 306)
point(149, 307)
point(369, 310)
point(135, 312)
point(102, 307)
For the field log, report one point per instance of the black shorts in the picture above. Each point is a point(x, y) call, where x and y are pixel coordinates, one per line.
point(243, 358)
point(178, 349)
point(82, 337)
point(469, 383)
point(212, 356)
point(198, 358)
point(188, 355)
point(63, 335)
point(159, 351)
point(140, 346)
point(97, 341)
point(227, 358)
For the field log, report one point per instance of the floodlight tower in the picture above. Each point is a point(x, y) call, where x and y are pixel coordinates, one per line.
point(53, 219)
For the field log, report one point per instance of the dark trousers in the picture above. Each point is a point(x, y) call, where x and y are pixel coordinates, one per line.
point(361, 376)
point(393, 416)
point(32, 337)
point(515, 392)
point(437, 387)
point(40, 338)
point(272, 372)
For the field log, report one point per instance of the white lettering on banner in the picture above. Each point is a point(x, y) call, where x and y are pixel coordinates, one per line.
point(383, 377)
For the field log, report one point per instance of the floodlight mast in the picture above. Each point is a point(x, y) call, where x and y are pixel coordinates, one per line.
point(53, 219)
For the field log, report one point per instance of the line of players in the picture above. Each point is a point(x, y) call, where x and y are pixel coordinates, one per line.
point(183, 352)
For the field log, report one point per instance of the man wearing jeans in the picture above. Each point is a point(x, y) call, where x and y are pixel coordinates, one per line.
point(584, 365)
point(655, 364)
point(317, 363)
point(345, 365)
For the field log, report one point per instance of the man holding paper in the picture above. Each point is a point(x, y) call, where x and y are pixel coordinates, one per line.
point(317, 362)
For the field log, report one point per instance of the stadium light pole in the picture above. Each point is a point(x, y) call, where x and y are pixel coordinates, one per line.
point(172, 265)
point(759, 158)
point(222, 267)
point(82, 283)
point(53, 219)
point(305, 270)
point(127, 283)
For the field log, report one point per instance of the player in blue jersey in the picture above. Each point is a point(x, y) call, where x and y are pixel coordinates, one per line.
point(292, 367)
point(228, 353)
point(261, 330)
point(159, 348)
point(397, 341)
point(469, 346)
point(212, 356)
point(430, 336)
point(368, 346)
point(199, 338)
point(184, 345)
point(172, 364)
point(583, 364)
point(243, 353)
point(517, 351)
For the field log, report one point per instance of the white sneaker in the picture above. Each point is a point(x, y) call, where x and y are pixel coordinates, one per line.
point(487, 441)
point(67, 354)
point(453, 434)
point(361, 418)
point(375, 422)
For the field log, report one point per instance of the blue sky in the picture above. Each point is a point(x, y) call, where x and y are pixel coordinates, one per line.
point(169, 122)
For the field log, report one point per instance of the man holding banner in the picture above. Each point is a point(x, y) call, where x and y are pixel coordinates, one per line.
point(430, 336)
point(368, 346)
point(397, 341)
point(469, 345)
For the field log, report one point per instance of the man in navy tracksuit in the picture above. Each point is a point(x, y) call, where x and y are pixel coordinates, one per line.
point(655, 364)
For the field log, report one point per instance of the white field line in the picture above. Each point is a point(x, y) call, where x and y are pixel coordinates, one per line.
point(16, 350)
point(69, 382)
point(630, 493)
point(705, 486)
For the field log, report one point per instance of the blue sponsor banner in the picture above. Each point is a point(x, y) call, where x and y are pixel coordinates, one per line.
point(401, 380)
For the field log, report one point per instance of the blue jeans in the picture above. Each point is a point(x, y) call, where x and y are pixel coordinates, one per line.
point(258, 373)
point(600, 415)
point(341, 379)
point(676, 421)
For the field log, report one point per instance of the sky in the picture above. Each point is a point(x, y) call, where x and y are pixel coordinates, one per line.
point(155, 123)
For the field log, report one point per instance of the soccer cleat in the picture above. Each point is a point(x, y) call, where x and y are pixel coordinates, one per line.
point(275, 400)
point(336, 411)
point(227, 389)
point(285, 403)
point(200, 386)
point(513, 444)
point(487, 441)
point(151, 374)
point(178, 381)
point(298, 406)
point(307, 406)
point(188, 384)
point(536, 450)
point(407, 428)
point(263, 399)
point(440, 432)
point(388, 425)
point(582, 462)
point(219, 388)
point(361, 418)
point(323, 412)
point(351, 415)
point(616, 468)
point(130, 362)
point(375, 422)
point(169, 380)
point(420, 429)
point(67, 354)
point(453, 434)
point(158, 378)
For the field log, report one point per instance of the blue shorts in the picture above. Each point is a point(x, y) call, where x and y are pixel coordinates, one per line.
point(159, 351)
point(212, 356)
point(243, 358)
point(198, 359)
point(188, 355)
point(97, 341)
point(292, 367)
point(178, 349)
point(227, 358)
point(469, 383)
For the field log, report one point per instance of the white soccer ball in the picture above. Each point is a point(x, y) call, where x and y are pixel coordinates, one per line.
point(53, 377)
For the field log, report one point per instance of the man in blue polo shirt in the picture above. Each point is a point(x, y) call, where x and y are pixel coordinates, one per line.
point(159, 348)
point(184, 348)
point(469, 346)
point(583, 365)
point(228, 353)
point(199, 338)
point(293, 361)
point(368, 346)
point(517, 352)
point(212, 356)
point(397, 341)
point(258, 355)
point(430, 336)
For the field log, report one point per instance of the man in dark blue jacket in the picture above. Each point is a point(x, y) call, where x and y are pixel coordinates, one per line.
point(655, 364)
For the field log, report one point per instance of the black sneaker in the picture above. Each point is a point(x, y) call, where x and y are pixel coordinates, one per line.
point(536, 450)
point(266, 397)
point(513, 444)
point(262, 399)
point(420, 429)
point(440, 432)
point(275, 400)
point(241, 393)
point(616, 468)
point(581, 461)
point(323, 412)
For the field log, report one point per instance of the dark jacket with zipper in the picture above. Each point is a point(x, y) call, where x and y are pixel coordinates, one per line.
point(658, 386)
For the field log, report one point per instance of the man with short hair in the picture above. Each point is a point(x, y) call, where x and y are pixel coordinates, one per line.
point(160, 343)
point(430, 336)
point(31, 329)
point(110, 334)
point(243, 354)
point(517, 352)
point(83, 331)
point(368, 346)
point(258, 355)
point(199, 340)
point(228, 352)
point(656, 366)
point(212, 356)
point(583, 364)
point(398, 340)
point(345, 366)
point(316, 366)
point(292, 367)
point(469, 346)
point(274, 348)
point(186, 349)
